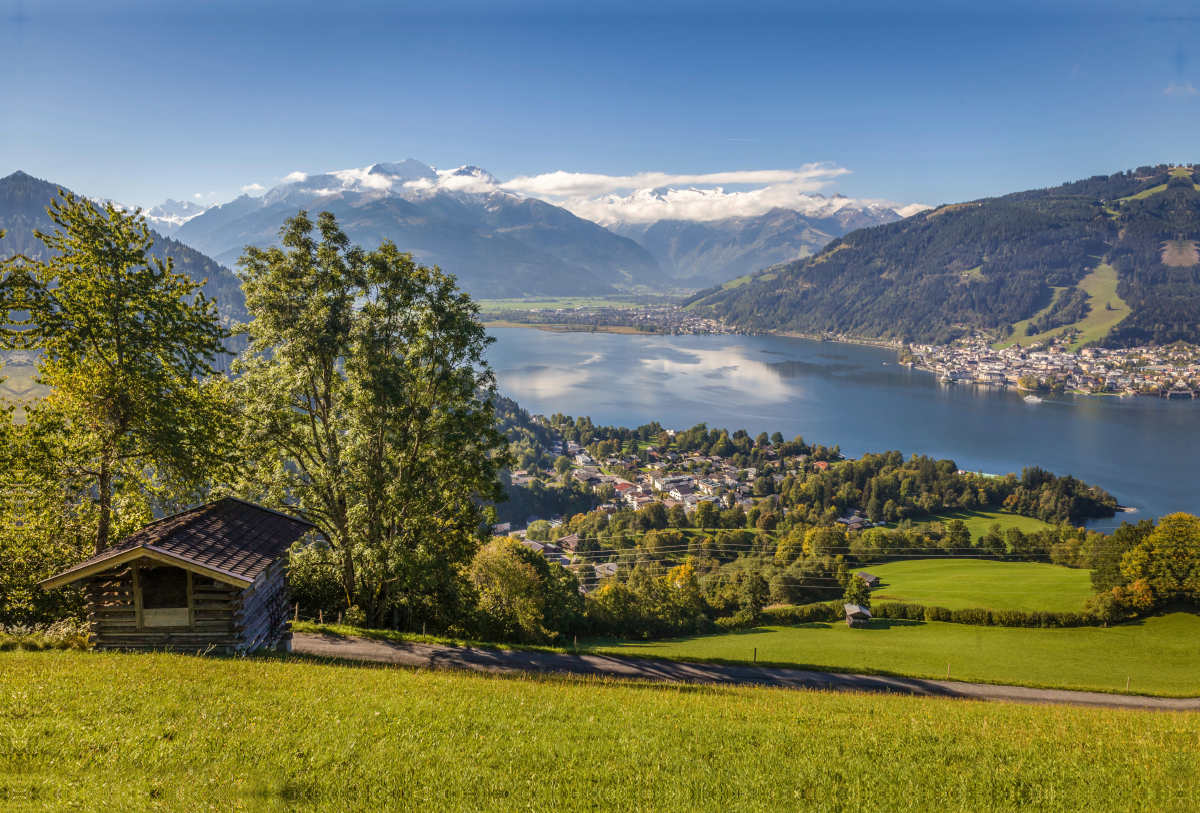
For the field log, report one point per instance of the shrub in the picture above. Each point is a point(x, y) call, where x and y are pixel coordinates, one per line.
point(805, 614)
point(972, 615)
point(937, 614)
point(70, 633)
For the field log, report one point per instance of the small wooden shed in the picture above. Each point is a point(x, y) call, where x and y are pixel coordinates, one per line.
point(857, 616)
point(214, 576)
point(871, 579)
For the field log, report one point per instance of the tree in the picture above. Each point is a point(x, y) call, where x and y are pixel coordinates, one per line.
point(767, 521)
point(958, 537)
point(368, 410)
point(510, 592)
point(777, 439)
point(707, 515)
point(857, 592)
point(677, 517)
point(124, 342)
point(874, 509)
point(762, 440)
point(1168, 559)
point(756, 592)
point(562, 465)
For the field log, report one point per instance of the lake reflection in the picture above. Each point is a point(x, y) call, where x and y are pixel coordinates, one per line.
point(1142, 450)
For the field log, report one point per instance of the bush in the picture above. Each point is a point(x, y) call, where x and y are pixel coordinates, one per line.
point(972, 615)
point(805, 614)
point(741, 620)
point(69, 633)
point(313, 581)
point(937, 614)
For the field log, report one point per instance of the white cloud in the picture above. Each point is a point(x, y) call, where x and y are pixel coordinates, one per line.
point(811, 177)
point(254, 187)
point(197, 196)
point(363, 177)
point(657, 196)
point(294, 177)
point(1179, 90)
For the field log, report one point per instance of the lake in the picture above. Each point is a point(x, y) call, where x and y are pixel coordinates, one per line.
point(1141, 450)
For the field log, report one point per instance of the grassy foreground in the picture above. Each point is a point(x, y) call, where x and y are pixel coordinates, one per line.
point(86, 731)
point(960, 583)
point(1159, 655)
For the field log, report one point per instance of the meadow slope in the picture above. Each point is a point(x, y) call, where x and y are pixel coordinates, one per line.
point(166, 732)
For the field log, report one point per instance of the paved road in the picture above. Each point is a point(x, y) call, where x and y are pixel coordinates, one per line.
point(509, 661)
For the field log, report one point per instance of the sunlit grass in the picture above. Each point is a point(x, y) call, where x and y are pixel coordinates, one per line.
point(109, 732)
point(960, 583)
point(1158, 655)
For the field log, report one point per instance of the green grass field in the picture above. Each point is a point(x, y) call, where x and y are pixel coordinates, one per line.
point(960, 583)
point(1101, 285)
point(106, 732)
point(1018, 335)
point(978, 522)
point(1160, 655)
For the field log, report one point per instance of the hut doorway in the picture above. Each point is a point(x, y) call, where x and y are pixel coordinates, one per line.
point(165, 593)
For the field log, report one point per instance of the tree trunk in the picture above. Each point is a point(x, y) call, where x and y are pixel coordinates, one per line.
point(105, 488)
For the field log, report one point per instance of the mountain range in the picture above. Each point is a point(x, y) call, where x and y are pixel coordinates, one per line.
point(707, 252)
point(1113, 258)
point(23, 202)
point(498, 243)
point(501, 244)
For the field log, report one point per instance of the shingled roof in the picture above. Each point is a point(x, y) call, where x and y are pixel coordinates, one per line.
point(230, 539)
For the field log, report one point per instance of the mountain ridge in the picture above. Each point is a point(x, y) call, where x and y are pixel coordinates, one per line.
point(497, 243)
point(991, 263)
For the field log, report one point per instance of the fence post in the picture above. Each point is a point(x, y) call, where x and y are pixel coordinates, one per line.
point(320, 616)
point(297, 616)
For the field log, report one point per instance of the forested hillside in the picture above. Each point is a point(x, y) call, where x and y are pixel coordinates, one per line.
point(23, 202)
point(992, 263)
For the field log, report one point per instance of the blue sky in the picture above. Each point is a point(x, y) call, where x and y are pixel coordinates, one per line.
point(921, 102)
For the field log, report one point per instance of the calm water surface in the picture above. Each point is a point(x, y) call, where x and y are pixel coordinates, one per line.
point(1142, 450)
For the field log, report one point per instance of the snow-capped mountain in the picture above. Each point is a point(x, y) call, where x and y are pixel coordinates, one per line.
point(168, 217)
point(165, 218)
point(499, 244)
point(692, 235)
point(700, 205)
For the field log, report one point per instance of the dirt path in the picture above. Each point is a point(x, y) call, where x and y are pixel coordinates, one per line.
point(507, 661)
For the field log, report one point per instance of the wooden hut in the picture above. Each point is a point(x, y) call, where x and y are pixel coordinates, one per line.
point(857, 616)
point(214, 576)
point(871, 579)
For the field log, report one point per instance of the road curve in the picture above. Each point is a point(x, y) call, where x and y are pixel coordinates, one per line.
point(502, 661)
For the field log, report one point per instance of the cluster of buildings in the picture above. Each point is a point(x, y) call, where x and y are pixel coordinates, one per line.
point(1164, 371)
point(652, 319)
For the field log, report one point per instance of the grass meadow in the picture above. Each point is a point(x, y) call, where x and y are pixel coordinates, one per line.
point(103, 731)
point(1158, 655)
point(1101, 286)
point(960, 583)
point(978, 522)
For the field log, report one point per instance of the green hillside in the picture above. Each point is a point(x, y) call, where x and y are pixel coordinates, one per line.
point(83, 731)
point(1113, 257)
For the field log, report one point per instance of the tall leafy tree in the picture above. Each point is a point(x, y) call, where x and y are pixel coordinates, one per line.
point(368, 408)
point(124, 342)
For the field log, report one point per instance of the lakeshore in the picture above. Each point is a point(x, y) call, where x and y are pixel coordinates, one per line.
point(859, 396)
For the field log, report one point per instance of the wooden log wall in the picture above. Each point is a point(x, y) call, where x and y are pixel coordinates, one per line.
point(222, 615)
point(264, 616)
